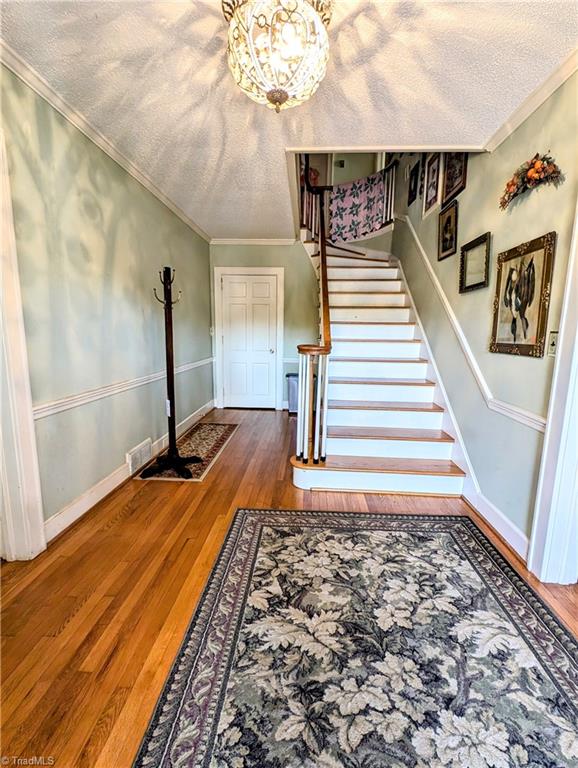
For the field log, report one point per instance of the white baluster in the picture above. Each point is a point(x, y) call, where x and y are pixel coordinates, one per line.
point(324, 407)
point(300, 408)
point(307, 408)
point(317, 433)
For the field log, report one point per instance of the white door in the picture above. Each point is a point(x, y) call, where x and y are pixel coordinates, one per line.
point(249, 340)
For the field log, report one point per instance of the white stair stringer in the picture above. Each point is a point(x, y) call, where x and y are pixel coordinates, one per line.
point(389, 429)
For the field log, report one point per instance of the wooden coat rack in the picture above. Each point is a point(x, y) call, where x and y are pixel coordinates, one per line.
point(171, 459)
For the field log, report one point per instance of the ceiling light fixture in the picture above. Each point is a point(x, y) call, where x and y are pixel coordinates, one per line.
point(278, 49)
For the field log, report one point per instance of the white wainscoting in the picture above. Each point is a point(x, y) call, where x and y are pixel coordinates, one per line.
point(77, 508)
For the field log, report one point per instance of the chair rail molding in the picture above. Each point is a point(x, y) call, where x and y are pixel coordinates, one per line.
point(42, 410)
point(554, 542)
point(30, 76)
point(22, 525)
point(529, 419)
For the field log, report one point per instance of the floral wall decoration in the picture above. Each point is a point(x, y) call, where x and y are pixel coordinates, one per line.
point(541, 169)
point(358, 208)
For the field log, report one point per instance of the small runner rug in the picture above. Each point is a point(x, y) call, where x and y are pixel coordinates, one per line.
point(342, 640)
point(204, 439)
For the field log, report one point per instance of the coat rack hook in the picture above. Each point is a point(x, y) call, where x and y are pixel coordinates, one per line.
point(161, 301)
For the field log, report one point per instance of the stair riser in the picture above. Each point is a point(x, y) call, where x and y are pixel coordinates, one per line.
point(338, 261)
point(354, 331)
point(383, 482)
point(369, 314)
point(381, 393)
point(378, 370)
point(406, 349)
point(367, 299)
point(383, 273)
point(342, 417)
point(347, 286)
point(395, 449)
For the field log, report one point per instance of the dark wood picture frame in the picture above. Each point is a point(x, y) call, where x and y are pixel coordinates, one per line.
point(449, 213)
point(455, 175)
point(413, 187)
point(433, 173)
point(510, 287)
point(484, 239)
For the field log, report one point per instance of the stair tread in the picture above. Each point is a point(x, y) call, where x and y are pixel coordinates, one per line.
point(390, 433)
point(384, 405)
point(386, 381)
point(364, 280)
point(367, 293)
point(366, 266)
point(378, 359)
point(373, 322)
point(369, 306)
point(387, 465)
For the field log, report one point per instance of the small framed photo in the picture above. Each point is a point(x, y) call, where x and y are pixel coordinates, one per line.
point(455, 175)
point(431, 195)
point(448, 231)
point(413, 184)
point(523, 297)
point(475, 264)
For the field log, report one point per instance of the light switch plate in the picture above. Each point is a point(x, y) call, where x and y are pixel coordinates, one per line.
point(552, 343)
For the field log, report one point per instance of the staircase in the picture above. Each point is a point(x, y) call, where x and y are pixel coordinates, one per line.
point(385, 427)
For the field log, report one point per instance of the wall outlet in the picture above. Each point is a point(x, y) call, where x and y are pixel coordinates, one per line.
point(139, 455)
point(552, 343)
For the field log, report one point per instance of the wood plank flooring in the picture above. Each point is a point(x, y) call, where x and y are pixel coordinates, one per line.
point(91, 627)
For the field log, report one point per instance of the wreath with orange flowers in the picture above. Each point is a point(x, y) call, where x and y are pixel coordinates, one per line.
point(541, 169)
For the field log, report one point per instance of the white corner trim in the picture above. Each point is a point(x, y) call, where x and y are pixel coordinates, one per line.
point(508, 530)
point(532, 420)
point(77, 508)
point(534, 100)
point(251, 241)
point(43, 410)
point(28, 74)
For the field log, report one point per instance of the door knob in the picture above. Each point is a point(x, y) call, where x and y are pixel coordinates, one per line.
point(272, 351)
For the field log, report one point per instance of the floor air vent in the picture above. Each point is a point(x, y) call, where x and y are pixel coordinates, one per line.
point(139, 455)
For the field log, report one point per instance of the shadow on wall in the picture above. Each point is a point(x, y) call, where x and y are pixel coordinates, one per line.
point(157, 79)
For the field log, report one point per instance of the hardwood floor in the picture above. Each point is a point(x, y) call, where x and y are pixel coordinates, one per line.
point(91, 627)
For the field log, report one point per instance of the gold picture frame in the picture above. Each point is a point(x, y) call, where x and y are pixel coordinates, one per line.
point(522, 298)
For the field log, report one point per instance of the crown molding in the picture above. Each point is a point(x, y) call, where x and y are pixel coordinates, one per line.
point(36, 82)
point(514, 412)
point(374, 149)
point(568, 67)
point(251, 241)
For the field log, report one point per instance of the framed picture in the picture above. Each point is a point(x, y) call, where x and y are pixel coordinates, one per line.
point(455, 174)
point(523, 297)
point(475, 264)
point(431, 195)
point(413, 184)
point(448, 231)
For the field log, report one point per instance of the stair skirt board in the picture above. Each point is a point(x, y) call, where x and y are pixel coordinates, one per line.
point(378, 348)
point(357, 286)
point(315, 478)
point(366, 299)
point(371, 314)
point(375, 392)
point(378, 369)
point(341, 417)
point(367, 331)
point(397, 449)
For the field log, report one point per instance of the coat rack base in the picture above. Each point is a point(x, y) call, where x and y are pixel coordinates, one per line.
point(167, 461)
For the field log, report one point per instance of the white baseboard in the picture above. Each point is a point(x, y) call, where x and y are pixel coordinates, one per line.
point(77, 508)
point(510, 532)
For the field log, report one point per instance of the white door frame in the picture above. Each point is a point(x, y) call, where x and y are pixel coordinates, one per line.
point(553, 553)
point(219, 273)
point(22, 523)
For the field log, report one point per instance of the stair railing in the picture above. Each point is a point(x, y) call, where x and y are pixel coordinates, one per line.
point(313, 358)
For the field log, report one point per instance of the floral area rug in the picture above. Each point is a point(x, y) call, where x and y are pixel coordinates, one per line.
point(342, 640)
point(204, 439)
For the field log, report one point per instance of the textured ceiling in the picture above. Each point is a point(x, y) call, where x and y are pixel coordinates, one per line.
point(152, 77)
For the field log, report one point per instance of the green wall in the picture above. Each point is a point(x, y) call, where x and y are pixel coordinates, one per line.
point(505, 454)
point(357, 166)
point(301, 318)
point(90, 241)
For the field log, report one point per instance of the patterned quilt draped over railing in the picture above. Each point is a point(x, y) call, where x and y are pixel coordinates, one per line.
point(358, 208)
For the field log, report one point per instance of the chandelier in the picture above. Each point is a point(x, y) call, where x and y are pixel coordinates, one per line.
point(278, 49)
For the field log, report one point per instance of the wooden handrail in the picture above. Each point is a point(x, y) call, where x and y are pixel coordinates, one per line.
point(324, 348)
